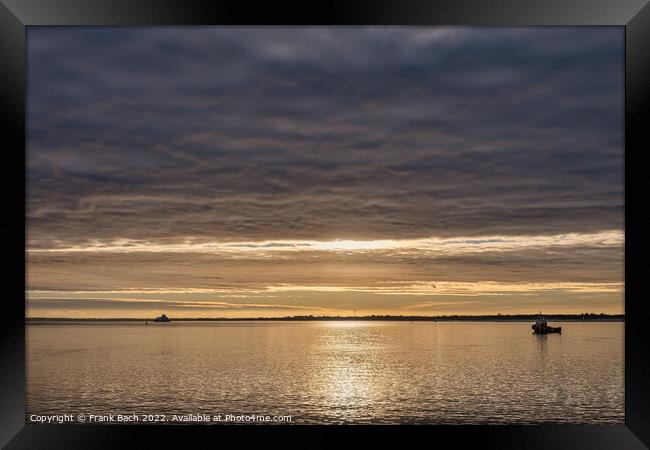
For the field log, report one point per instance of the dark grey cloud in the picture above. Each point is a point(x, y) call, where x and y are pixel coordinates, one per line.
point(322, 133)
point(244, 273)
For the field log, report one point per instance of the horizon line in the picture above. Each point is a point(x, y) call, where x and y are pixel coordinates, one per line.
point(346, 317)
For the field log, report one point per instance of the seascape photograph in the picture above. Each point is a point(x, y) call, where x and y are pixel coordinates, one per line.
point(325, 225)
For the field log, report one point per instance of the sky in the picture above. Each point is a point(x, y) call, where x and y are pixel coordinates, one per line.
point(270, 171)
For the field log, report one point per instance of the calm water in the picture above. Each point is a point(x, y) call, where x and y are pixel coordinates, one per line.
point(331, 372)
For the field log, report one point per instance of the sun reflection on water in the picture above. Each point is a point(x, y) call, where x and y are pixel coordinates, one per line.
point(349, 376)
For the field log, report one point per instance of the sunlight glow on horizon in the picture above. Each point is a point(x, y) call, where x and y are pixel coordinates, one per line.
point(437, 245)
point(437, 288)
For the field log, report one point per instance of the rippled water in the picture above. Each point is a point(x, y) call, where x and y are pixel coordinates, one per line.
point(331, 372)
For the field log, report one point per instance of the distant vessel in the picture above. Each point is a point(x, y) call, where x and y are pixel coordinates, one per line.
point(162, 318)
point(541, 327)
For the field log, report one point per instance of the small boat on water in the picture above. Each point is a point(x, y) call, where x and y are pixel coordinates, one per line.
point(162, 318)
point(541, 327)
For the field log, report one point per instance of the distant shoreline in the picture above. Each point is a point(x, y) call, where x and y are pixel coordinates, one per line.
point(447, 318)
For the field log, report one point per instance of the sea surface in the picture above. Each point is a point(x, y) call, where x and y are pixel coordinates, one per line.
point(331, 372)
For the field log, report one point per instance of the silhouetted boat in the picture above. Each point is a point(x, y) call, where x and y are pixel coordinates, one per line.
point(541, 327)
point(162, 318)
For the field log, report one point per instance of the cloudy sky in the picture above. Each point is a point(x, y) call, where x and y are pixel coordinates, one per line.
point(265, 171)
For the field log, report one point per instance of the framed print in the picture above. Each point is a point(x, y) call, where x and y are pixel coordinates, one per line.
point(403, 220)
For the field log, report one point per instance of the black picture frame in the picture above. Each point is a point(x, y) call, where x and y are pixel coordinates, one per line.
point(16, 15)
